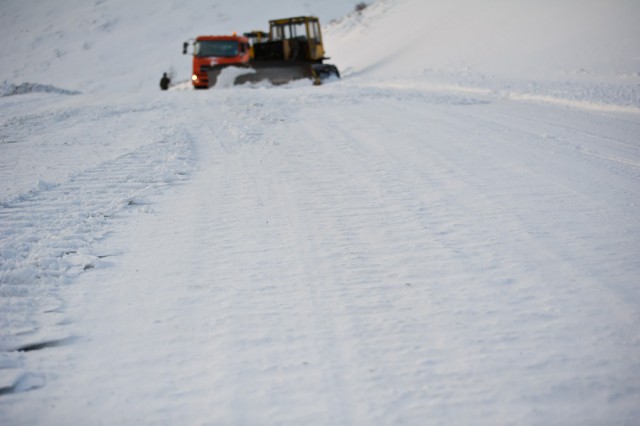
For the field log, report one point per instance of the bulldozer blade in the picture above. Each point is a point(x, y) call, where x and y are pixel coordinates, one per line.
point(277, 72)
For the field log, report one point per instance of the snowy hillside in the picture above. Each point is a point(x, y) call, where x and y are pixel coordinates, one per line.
point(573, 51)
point(548, 38)
point(447, 235)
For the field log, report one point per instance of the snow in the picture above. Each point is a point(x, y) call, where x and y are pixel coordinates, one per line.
point(446, 235)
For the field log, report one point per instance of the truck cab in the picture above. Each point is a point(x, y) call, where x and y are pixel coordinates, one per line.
point(214, 52)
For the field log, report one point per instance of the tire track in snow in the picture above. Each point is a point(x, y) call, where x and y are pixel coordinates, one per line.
point(47, 237)
point(404, 230)
point(326, 250)
point(476, 243)
point(335, 260)
point(263, 276)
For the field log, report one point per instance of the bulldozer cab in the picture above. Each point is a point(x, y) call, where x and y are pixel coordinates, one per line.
point(301, 36)
point(292, 39)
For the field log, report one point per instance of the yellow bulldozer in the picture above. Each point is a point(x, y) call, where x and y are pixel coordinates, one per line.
point(291, 50)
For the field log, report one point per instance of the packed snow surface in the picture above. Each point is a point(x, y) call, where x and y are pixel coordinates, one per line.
point(447, 235)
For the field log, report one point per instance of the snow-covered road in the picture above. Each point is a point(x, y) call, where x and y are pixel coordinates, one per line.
point(339, 255)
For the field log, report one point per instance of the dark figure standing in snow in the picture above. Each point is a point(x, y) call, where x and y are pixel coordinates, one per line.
point(164, 82)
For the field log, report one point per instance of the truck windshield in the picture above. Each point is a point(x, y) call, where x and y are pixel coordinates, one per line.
point(220, 48)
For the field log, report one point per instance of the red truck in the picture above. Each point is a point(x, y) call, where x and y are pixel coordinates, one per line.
point(211, 53)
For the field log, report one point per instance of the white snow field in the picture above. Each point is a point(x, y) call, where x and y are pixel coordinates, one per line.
point(448, 235)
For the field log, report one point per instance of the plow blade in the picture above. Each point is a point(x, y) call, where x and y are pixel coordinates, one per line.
point(275, 72)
